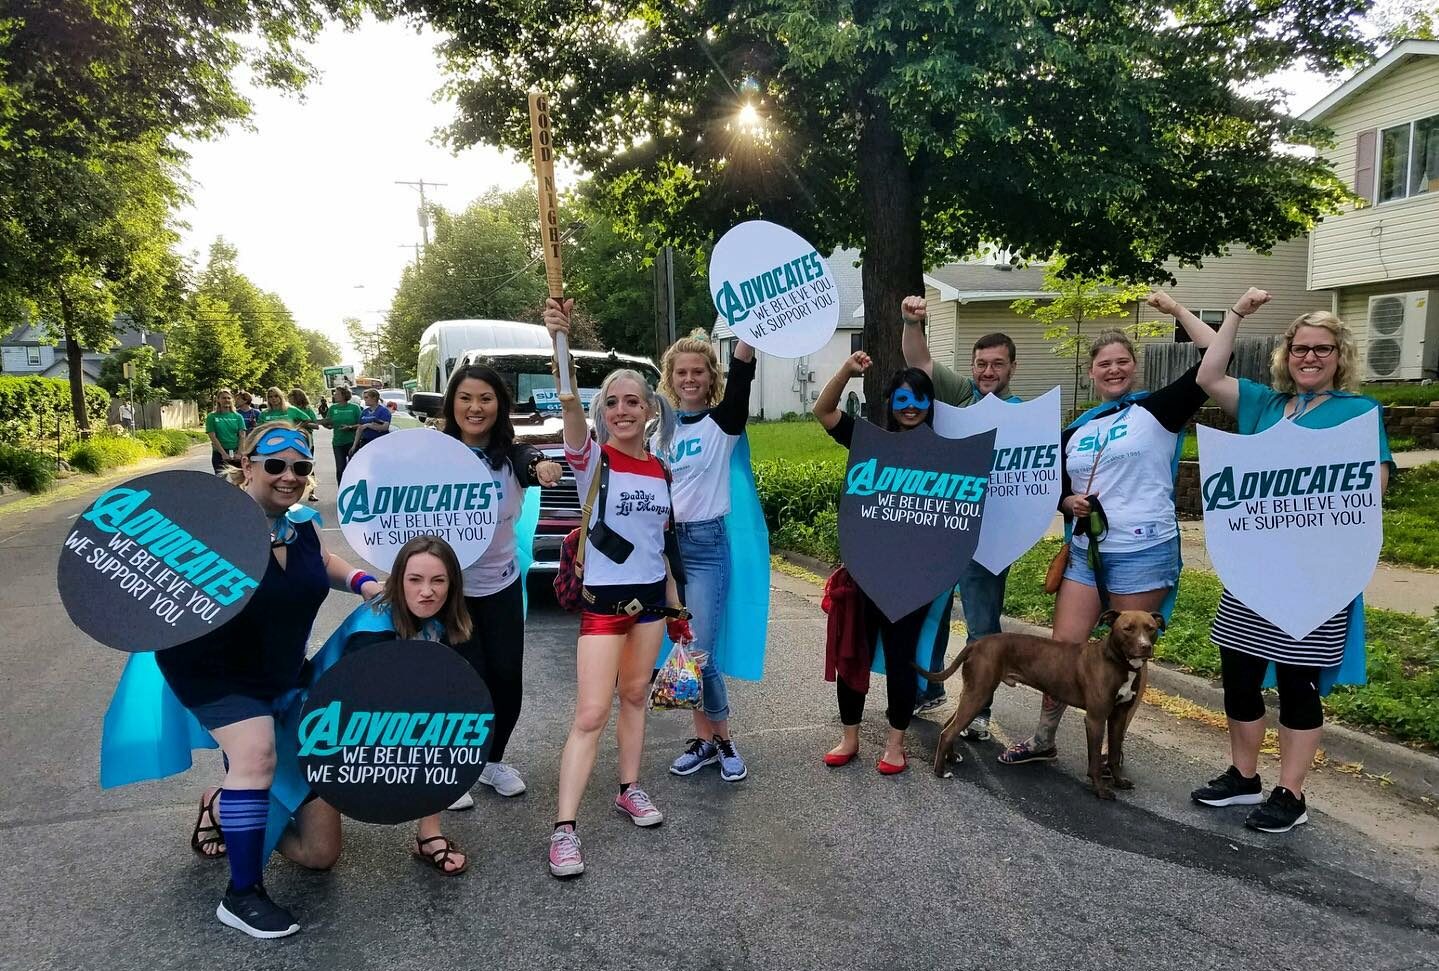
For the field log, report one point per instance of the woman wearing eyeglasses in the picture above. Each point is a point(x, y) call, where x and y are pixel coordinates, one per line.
point(232, 678)
point(1119, 463)
point(1315, 377)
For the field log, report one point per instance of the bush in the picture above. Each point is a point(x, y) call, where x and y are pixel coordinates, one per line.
point(168, 441)
point(26, 469)
point(30, 408)
point(798, 492)
point(104, 452)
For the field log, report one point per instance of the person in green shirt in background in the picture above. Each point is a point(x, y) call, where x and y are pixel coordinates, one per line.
point(278, 409)
point(299, 401)
point(226, 427)
point(343, 416)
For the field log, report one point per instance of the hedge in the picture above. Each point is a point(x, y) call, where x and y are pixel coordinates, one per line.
point(104, 452)
point(26, 469)
point(30, 406)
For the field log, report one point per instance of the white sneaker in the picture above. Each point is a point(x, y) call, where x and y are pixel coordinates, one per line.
point(466, 801)
point(503, 779)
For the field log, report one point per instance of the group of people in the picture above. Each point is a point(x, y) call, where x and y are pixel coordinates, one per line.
point(656, 474)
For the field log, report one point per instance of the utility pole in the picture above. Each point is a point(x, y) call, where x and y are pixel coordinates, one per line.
point(424, 213)
point(664, 299)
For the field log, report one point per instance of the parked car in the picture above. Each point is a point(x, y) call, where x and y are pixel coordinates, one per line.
point(393, 398)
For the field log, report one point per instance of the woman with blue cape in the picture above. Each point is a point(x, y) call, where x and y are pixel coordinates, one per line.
point(722, 537)
point(237, 680)
point(476, 411)
point(1119, 459)
point(1315, 374)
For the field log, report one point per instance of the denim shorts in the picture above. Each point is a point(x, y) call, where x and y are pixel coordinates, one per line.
point(1132, 571)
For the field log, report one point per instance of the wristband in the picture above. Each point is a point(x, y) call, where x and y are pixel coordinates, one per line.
point(358, 579)
point(1235, 312)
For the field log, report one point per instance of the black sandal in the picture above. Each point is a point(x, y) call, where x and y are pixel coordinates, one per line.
point(438, 858)
point(205, 837)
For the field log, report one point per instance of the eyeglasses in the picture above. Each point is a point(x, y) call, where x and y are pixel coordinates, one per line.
point(1321, 351)
point(278, 466)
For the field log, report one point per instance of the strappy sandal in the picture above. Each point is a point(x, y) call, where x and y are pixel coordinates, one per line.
point(438, 858)
point(205, 837)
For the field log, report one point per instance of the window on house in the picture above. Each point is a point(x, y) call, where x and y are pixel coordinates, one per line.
point(32, 356)
point(856, 341)
point(1211, 317)
point(1409, 159)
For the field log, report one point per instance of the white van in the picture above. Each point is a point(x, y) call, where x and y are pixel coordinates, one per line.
point(445, 341)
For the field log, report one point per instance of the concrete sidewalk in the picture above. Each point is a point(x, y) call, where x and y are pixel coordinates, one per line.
point(1423, 456)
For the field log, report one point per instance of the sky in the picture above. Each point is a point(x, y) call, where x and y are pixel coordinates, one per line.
point(307, 192)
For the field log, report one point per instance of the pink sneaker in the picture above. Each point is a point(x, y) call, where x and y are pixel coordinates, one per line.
point(565, 858)
point(635, 803)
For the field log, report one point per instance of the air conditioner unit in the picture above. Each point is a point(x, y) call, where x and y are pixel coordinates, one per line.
point(1403, 342)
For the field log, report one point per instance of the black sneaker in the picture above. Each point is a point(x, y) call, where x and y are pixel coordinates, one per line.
point(1230, 789)
point(1280, 814)
point(253, 912)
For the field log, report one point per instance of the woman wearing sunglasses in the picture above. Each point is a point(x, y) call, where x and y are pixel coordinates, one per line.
point(232, 678)
point(1119, 463)
point(909, 403)
point(1315, 377)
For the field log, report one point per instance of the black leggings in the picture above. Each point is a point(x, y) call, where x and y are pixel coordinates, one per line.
point(901, 684)
point(1299, 705)
point(496, 650)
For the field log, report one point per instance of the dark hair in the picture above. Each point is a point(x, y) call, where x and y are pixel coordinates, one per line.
point(341, 389)
point(919, 383)
point(994, 340)
point(502, 436)
point(454, 615)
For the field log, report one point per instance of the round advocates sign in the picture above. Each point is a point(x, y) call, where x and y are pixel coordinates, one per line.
point(773, 289)
point(162, 559)
point(414, 482)
point(395, 731)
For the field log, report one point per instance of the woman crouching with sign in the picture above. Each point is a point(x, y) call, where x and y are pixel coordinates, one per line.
point(233, 678)
point(630, 582)
point(1120, 459)
point(908, 403)
point(422, 601)
point(476, 411)
point(1315, 375)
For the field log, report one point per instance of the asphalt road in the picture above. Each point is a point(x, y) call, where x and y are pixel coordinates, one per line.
point(799, 866)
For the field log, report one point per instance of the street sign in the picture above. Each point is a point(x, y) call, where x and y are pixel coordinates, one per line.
point(338, 375)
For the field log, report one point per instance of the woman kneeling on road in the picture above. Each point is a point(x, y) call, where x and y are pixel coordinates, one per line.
point(630, 582)
point(1315, 375)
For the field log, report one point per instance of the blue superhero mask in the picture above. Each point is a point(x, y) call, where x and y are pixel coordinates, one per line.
point(905, 398)
point(280, 439)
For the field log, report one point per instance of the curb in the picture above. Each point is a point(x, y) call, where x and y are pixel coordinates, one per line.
point(1414, 773)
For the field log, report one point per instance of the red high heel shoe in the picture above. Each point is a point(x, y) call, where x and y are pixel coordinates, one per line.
point(836, 759)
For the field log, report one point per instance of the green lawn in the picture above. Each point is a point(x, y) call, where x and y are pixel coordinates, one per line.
point(1411, 517)
point(792, 441)
point(1402, 394)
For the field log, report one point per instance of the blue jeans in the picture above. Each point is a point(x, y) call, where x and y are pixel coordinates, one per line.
point(981, 594)
point(704, 550)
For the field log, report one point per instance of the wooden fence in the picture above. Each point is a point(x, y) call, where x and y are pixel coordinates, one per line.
point(1165, 362)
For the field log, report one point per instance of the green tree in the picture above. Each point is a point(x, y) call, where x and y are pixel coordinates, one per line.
point(1117, 133)
point(209, 351)
point(276, 345)
point(366, 343)
point(144, 386)
point(481, 264)
point(1078, 301)
point(1399, 20)
point(320, 351)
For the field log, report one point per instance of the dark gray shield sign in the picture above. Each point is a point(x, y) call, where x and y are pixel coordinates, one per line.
point(396, 731)
point(163, 559)
point(910, 512)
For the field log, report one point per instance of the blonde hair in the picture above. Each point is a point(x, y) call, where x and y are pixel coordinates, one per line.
point(1346, 374)
point(693, 344)
point(236, 474)
point(663, 416)
point(276, 393)
point(1107, 337)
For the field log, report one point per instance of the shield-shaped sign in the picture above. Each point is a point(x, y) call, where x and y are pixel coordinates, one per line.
point(1024, 480)
point(1292, 517)
point(910, 513)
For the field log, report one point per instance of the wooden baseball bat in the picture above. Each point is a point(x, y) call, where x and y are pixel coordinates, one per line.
point(542, 147)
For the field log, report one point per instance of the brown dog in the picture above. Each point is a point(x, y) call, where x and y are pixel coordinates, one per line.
point(1106, 678)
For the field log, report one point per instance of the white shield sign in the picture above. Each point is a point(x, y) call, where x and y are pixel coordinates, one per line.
point(1292, 517)
point(1024, 481)
point(773, 289)
point(417, 481)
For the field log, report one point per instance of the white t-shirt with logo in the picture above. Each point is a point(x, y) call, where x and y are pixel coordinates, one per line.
point(497, 566)
point(699, 456)
point(637, 507)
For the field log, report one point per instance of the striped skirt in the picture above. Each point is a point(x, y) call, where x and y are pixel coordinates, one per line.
point(1238, 628)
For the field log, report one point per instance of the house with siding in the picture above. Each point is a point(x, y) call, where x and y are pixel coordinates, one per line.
point(28, 351)
point(1381, 256)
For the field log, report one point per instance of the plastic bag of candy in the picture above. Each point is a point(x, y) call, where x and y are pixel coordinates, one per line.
point(678, 686)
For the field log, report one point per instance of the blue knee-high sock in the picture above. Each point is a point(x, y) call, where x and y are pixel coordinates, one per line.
point(242, 816)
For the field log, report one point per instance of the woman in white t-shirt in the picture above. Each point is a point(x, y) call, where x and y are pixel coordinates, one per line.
point(476, 411)
point(1120, 458)
point(630, 582)
point(712, 416)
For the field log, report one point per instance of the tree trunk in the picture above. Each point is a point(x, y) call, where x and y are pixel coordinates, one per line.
point(73, 356)
point(893, 246)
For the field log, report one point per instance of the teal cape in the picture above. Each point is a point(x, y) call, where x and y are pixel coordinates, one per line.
point(148, 734)
point(739, 646)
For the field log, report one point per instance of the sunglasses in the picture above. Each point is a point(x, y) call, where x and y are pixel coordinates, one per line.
point(1321, 351)
point(278, 466)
